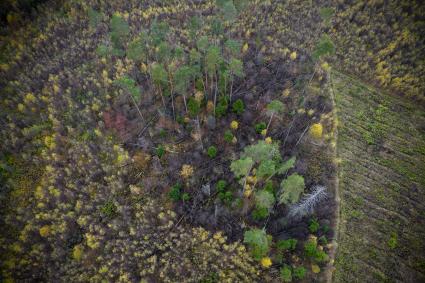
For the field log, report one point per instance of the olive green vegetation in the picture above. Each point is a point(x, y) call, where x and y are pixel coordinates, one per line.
point(381, 142)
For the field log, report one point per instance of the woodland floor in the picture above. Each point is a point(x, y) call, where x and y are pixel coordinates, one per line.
point(381, 151)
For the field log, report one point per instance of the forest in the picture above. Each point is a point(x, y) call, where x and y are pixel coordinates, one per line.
point(212, 141)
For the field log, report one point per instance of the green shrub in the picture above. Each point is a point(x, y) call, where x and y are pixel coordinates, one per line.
point(258, 242)
point(185, 197)
point(221, 107)
point(102, 50)
point(159, 76)
point(286, 273)
point(226, 196)
point(233, 47)
point(238, 107)
point(259, 127)
point(289, 244)
point(260, 213)
point(269, 187)
point(212, 151)
point(313, 225)
point(228, 136)
point(392, 242)
point(160, 151)
point(311, 250)
point(221, 185)
point(137, 50)
point(120, 31)
point(94, 17)
point(299, 272)
point(175, 192)
point(323, 240)
point(193, 107)
point(324, 47)
point(162, 133)
point(109, 209)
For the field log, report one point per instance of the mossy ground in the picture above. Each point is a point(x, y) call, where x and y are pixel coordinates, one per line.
point(381, 142)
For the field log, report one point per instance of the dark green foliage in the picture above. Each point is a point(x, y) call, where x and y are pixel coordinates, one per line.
point(195, 24)
point(287, 245)
point(210, 278)
point(212, 151)
point(199, 84)
point(311, 250)
point(212, 60)
point(175, 192)
point(159, 76)
point(221, 107)
point(164, 52)
point(260, 213)
point(137, 49)
point(236, 68)
point(228, 136)
point(162, 133)
point(185, 197)
point(313, 225)
point(299, 272)
point(180, 119)
point(178, 53)
point(241, 4)
point(233, 47)
point(119, 33)
point(324, 47)
point(193, 107)
point(286, 273)
point(266, 168)
point(202, 43)
point(259, 127)
point(238, 107)
point(229, 11)
point(269, 187)
point(94, 17)
point(182, 78)
point(102, 50)
point(159, 32)
point(392, 242)
point(258, 242)
point(109, 209)
point(221, 185)
point(160, 151)
point(220, 3)
point(323, 240)
point(285, 166)
point(216, 27)
point(194, 57)
point(224, 194)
